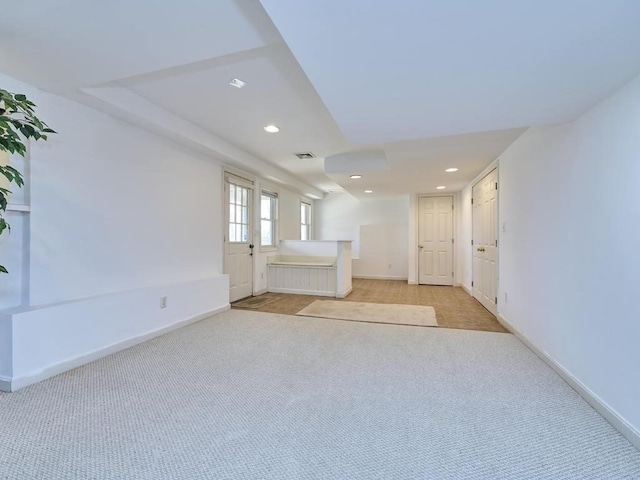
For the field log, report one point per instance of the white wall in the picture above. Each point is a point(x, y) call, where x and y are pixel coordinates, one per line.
point(570, 256)
point(465, 235)
point(115, 210)
point(378, 227)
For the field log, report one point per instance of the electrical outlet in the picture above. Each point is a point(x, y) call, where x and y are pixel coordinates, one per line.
point(163, 302)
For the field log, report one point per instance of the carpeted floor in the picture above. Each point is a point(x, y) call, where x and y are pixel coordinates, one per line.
point(249, 395)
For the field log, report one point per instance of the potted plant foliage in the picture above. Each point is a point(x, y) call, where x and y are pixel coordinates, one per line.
point(18, 123)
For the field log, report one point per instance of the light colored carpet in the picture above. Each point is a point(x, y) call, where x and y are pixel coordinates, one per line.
point(416, 315)
point(248, 395)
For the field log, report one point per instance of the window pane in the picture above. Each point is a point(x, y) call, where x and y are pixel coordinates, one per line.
point(244, 196)
point(232, 233)
point(265, 206)
point(266, 233)
point(245, 211)
point(232, 193)
point(303, 232)
point(303, 213)
point(238, 213)
point(232, 214)
point(245, 233)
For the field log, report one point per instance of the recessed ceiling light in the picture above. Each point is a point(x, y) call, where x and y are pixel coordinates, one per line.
point(368, 191)
point(451, 170)
point(355, 177)
point(236, 82)
point(440, 187)
point(271, 129)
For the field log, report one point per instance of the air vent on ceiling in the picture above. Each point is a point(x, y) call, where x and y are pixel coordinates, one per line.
point(305, 155)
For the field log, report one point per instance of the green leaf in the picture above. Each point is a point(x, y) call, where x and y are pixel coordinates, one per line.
point(20, 97)
point(3, 270)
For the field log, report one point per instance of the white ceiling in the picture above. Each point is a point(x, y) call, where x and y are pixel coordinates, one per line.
point(416, 79)
point(390, 71)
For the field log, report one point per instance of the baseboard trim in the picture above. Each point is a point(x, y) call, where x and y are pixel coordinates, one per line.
point(65, 366)
point(378, 277)
point(467, 289)
point(260, 292)
point(345, 293)
point(608, 413)
point(302, 292)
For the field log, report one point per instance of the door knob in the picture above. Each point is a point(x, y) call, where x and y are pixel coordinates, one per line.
point(420, 246)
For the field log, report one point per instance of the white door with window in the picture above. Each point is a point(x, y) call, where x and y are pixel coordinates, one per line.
point(485, 241)
point(435, 240)
point(239, 237)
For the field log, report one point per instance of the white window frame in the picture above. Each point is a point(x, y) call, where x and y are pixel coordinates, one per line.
point(275, 206)
point(306, 226)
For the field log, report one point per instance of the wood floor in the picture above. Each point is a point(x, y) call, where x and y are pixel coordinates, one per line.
point(454, 307)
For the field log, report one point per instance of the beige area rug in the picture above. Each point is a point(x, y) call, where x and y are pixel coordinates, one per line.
point(416, 315)
point(255, 302)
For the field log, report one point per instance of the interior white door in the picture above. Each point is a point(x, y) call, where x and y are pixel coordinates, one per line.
point(485, 241)
point(435, 241)
point(238, 238)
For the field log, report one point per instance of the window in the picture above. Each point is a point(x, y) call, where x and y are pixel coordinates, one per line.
point(305, 221)
point(268, 219)
point(238, 214)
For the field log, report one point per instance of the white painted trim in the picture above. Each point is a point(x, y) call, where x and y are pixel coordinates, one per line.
point(345, 293)
point(260, 292)
point(379, 277)
point(301, 292)
point(467, 289)
point(412, 282)
point(5, 384)
point(12, 207)
point(488, 169)
point(17, 383)
point(599, 405)
point(315, 241)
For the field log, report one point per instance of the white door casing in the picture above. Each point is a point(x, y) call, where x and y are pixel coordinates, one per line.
point(435, 240)
point(485, 241)
point(238, 237)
